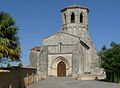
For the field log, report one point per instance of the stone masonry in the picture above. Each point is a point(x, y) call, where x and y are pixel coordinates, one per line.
point(69, 52)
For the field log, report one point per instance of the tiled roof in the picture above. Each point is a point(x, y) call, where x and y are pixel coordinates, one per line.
point(74, 6)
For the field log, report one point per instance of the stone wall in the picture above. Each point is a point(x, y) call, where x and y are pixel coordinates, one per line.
point(42, 62)
point(17, 77)
point(33, 58)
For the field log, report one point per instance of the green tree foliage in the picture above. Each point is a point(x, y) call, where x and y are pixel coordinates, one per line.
point(110, 61)
point(9, 41)
point(9, 65)
point(20, 65)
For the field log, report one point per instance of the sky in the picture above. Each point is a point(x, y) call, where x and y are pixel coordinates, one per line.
point(38, 19)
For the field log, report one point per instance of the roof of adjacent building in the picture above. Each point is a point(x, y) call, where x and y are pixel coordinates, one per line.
point(36, 48)
point(75, 6)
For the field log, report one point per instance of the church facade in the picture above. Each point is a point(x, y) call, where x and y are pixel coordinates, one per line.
point(70, 52)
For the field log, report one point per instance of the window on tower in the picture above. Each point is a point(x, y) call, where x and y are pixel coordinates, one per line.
point(72, 18)
point(65, 18)
point(81, 18)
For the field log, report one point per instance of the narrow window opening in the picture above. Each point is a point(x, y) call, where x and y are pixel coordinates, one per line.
point(84, 45)
point(81, 18)
point(72, 18)
point(65, 18)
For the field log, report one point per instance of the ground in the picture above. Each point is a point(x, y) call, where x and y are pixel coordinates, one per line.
point(72, 83)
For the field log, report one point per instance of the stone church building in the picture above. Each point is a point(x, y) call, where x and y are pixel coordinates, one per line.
point(70, 52)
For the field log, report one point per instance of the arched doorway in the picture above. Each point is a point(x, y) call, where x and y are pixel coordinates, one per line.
point(61, 69)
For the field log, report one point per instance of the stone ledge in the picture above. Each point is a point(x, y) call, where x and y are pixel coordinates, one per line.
point(90, 77)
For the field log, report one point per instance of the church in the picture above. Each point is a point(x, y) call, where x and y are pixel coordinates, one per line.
point(70, 52)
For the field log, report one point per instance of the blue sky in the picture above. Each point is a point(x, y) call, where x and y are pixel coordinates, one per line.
point(37, 19)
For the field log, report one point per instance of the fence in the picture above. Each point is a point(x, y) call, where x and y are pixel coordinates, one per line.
point(17, 77)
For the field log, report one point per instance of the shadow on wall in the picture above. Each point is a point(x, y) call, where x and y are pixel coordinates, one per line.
point(17, 77)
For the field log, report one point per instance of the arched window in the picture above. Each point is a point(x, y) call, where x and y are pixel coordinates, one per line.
point(81, 18)
point(65, 18)
point(72, 18)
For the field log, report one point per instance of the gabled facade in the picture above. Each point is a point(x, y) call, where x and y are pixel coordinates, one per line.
point(70, 52)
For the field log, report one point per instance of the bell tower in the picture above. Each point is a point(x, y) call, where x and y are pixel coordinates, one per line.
point(75, 20)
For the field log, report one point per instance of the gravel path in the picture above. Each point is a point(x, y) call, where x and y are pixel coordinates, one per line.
point(72, 83)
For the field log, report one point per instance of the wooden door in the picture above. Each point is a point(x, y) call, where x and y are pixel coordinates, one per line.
point(61, 69)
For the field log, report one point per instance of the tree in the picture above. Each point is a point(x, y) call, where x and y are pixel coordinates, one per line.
point(9, 41)
point(9, 65)
point(110, 61)
point(20, 65)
